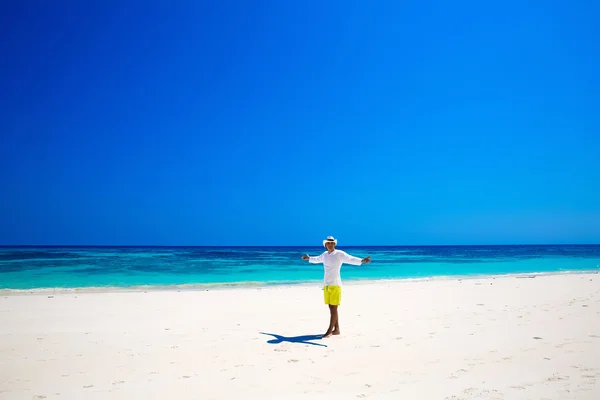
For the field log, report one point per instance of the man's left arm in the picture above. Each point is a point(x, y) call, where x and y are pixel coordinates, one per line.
point(348, 259)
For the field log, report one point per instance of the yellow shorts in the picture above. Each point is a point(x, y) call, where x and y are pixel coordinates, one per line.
point(333, 295)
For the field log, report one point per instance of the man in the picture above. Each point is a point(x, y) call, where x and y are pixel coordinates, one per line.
point(332, 260)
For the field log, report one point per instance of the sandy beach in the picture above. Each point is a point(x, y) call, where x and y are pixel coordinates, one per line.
point(482, 338)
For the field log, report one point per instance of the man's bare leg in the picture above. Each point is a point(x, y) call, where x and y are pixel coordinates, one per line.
point(336, 328)
point(333, 320)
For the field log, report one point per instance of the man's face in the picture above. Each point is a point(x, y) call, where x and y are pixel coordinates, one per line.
point(330, 246)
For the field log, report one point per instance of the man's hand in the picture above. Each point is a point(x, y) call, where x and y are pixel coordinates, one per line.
point(305, 257)
point(366, 260)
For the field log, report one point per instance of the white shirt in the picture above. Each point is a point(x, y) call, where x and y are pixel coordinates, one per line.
point(332, 263)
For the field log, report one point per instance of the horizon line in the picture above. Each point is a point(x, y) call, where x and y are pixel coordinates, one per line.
point(300, 245)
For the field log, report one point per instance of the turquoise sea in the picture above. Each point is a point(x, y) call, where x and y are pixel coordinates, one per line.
point(72, 267)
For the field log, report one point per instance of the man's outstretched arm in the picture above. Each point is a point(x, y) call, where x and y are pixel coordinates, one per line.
point(348, 259)
point(313, 260)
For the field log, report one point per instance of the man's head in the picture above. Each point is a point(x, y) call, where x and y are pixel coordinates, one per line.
point(330, 243)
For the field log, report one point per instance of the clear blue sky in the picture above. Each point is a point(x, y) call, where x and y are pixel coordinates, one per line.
point(278, 123)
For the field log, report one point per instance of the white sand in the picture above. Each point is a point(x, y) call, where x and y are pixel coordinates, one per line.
point(502, 338)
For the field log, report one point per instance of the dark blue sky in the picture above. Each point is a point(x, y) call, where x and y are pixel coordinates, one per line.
point(272, 123)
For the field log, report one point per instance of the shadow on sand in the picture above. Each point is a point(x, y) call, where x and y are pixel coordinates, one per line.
point(294, 339)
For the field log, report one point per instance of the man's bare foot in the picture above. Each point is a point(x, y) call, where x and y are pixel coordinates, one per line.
point(336, 332)
point(327, 334)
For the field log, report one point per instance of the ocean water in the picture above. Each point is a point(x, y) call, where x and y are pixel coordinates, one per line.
point(79, 267)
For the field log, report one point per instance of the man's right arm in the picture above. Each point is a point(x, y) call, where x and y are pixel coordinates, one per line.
point(313, 260)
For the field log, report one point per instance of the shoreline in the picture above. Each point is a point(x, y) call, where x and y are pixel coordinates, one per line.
point(258, 285)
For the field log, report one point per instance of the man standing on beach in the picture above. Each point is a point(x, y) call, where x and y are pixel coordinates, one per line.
point(332, 260)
